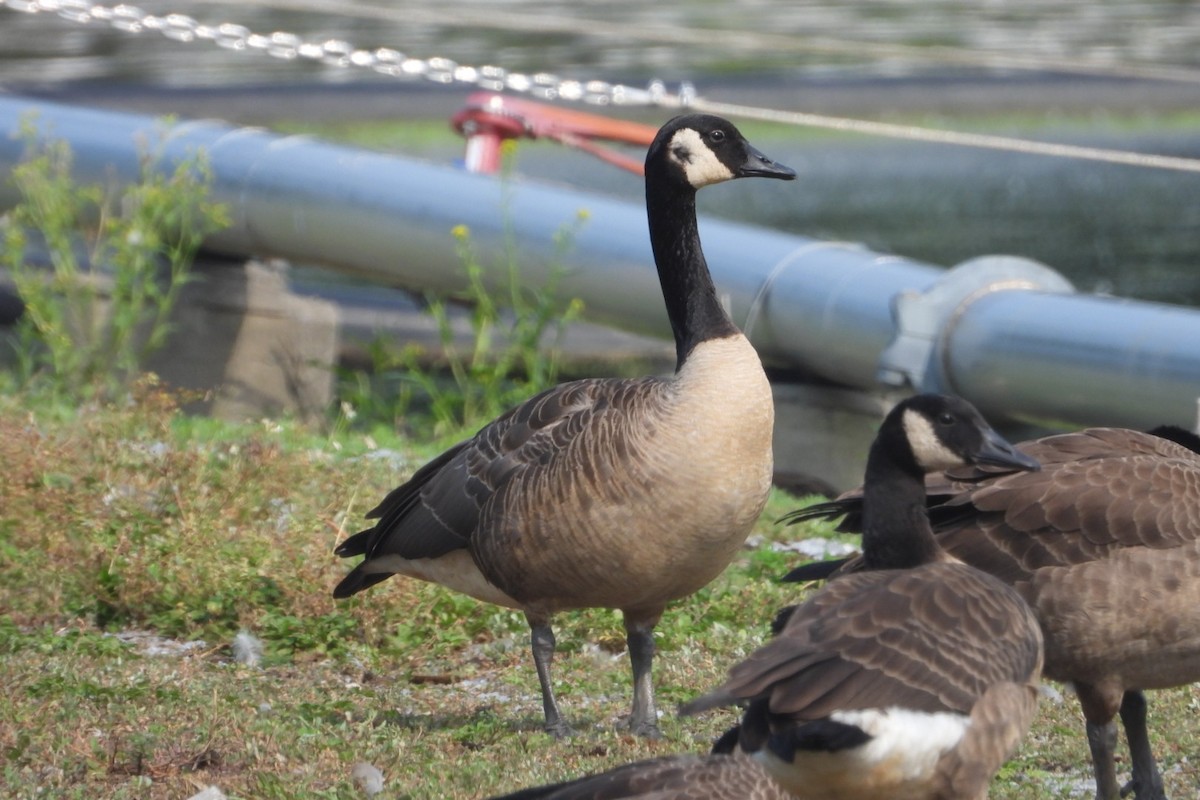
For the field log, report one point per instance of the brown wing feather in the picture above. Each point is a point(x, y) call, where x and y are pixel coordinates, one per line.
point(934, 638)
point(1075, 511)
point(683, 777)
point(1096, 623)
point(1099, 490)
point(998, 721)
point(440, 507)
point(599, 464)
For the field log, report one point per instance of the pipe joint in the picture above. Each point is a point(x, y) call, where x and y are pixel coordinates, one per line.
point(917, 357)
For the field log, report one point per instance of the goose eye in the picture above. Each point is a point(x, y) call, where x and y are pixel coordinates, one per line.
point(945, 418)
point(717, 136)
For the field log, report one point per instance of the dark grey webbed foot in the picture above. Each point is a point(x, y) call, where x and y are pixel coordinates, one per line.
point(645, 729)
point(560, 730)
point(1135, 790)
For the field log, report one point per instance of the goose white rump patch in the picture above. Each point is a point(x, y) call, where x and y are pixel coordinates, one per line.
point(897, 763)
point(456, 570)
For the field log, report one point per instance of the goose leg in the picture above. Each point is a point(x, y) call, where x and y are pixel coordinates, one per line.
point(1147, 782)
point(1102, 740)
point(1100, 702)
point(542, 639)
point(639, 636)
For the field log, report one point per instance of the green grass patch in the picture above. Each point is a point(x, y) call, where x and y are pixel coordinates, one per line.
point(133, 517)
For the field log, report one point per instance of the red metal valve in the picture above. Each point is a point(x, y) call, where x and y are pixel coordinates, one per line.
point(489, 118)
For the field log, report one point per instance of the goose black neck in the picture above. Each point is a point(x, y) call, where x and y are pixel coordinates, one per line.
point(691, 298)
point(896, 530)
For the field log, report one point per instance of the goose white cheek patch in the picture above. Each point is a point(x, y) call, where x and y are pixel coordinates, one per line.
point(931, 454)
point(698, 162)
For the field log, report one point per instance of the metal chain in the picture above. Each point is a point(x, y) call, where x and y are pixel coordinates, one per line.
point(544, 85)
point(338, 53)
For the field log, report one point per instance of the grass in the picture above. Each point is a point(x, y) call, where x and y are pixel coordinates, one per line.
point(133, 517)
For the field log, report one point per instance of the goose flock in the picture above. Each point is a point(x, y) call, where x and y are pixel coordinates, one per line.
point(914, 671)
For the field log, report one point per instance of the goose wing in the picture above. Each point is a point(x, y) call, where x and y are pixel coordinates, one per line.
point(930, 639)
point(439, 508)
point(682, 777)
point(1099, 490)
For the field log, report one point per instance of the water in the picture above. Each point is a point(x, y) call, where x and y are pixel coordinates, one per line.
point(625, 38)
point(1109, 229)
point(1133, 232)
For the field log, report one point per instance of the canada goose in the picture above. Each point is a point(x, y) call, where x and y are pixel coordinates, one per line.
point(915, 679)
point(608, 493)
point(680, 777)
point(1104, 544)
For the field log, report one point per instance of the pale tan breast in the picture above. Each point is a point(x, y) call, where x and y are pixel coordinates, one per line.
point(651, 509)
point(724, 403)
point(721, 426)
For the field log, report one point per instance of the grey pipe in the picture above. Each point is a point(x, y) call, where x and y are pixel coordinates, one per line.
point(1118, 362)
point(1002, 332)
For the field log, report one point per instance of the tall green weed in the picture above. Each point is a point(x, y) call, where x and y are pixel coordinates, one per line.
point(513, 351)
point(117, 263)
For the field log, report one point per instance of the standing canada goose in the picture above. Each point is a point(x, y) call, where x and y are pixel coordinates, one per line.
point(915, 679)
point(606, 493)
point(1104, 544)
point(680, 777)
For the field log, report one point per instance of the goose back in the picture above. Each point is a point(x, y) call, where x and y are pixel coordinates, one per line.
point(1101, 490)
point(893, 684)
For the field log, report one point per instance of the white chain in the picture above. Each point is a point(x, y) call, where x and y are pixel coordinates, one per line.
point(544, 85)
point(338, 53)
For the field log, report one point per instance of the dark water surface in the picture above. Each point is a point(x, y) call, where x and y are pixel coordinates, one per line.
point(619, 38)
point(1132, 232)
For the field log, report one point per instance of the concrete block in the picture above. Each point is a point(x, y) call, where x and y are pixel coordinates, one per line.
point(252, 346)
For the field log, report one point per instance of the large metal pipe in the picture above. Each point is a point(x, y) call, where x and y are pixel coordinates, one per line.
point(1077, 358)
point(1004, 333)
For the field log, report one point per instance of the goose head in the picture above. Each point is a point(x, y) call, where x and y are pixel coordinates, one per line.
point(938, 432)
point(697, 150)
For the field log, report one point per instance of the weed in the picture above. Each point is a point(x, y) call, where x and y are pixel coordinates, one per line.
point(326, 634)
point(117, 267)
point(513, 353)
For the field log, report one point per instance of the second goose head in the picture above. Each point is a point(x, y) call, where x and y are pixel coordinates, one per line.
point(924, 433)
point(940, 432)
